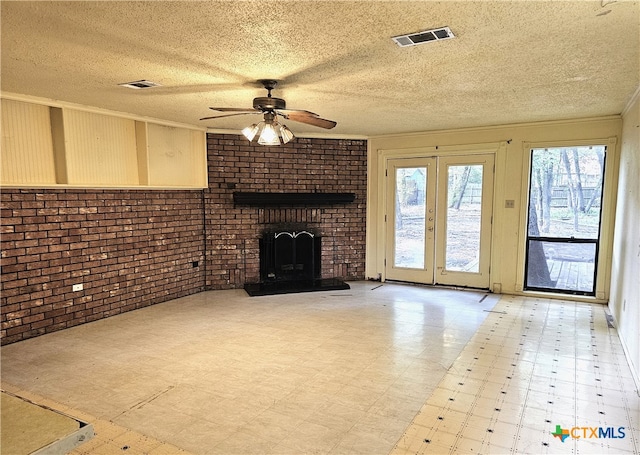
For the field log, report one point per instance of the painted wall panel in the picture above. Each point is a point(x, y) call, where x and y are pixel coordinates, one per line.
point(175, 156)
point(625, 271)
point(27, 149)
point(100, 149)
point(53, 144)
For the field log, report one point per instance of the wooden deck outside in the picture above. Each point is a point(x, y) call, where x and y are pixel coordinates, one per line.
point(571, 275)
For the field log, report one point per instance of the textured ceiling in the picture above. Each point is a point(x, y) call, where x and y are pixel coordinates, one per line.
point(511, 61)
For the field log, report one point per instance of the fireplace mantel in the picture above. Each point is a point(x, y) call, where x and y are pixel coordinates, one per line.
point(285, 199)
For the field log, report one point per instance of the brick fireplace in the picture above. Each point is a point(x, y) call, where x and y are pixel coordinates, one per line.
point(233, 231)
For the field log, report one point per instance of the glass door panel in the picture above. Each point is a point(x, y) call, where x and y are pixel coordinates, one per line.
point(409, 220)
point(465, 204)
point(464, 218)
point(410, 225)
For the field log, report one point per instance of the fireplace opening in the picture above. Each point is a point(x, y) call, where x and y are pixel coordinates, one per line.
point(290, 256)
point(291, 261)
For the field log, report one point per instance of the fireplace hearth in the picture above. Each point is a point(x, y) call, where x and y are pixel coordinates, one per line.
point(290, 261)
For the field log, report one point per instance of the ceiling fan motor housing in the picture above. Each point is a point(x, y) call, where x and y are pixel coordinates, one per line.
point(264, 103)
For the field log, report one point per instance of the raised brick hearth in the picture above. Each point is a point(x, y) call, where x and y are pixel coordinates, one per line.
point(133, 248)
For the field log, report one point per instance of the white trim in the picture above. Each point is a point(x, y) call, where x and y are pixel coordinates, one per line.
point(605, 248)
point(626, 350)
point(632, 100)
point(66, 186)
point(355, 137)
point(570, 143)
point(95, 110)
point(433, 150)
point(498, 126)
point(562, 296)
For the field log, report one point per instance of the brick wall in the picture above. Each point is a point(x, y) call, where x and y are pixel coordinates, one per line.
point(135, 248)
point(130, 249)
point(303, 165)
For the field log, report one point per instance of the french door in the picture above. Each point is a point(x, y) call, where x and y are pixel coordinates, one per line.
point(438, 219)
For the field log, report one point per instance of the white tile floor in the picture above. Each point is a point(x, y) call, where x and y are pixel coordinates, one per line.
point(337, 372)
point(533, 365)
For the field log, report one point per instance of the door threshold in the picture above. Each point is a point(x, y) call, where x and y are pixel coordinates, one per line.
point(441, 286)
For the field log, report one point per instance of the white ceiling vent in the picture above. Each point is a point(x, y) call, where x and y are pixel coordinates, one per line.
point(137, 85)
point(413, 39)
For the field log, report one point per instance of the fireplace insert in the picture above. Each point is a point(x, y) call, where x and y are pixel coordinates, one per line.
point(290, 256)
point(291, 261)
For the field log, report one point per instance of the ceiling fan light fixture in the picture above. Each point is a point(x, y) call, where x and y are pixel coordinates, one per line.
point(268, 135)
point(251, 131)
point(268, 131)
point(285, 134)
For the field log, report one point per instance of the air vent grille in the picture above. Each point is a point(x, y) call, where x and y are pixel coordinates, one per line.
point(137, 85)
point(413, 39)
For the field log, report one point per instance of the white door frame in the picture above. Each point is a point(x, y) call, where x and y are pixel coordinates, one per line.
point(383, 155)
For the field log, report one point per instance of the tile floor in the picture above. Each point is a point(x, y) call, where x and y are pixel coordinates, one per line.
point(370, 370)
point(534, 365)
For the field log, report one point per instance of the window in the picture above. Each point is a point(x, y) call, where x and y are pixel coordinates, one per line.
point(563, 233)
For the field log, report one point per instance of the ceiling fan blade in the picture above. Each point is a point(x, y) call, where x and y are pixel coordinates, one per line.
point(231, 115)
point(284, 112)
point(231, 109)
point(310, 119)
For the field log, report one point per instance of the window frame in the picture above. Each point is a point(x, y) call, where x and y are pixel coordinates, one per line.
point(607, 220)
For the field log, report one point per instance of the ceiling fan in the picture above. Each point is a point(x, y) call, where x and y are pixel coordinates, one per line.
point(270, 131)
